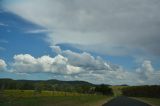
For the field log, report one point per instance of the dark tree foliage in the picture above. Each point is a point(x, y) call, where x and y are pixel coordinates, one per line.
point(51, 85)
point(142, 91)
point(55, 85)
point(104, 89)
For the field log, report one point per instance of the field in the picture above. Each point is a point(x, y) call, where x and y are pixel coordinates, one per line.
point(117, 90)
point(151, 101)
point(59, 98)
point(49, 98)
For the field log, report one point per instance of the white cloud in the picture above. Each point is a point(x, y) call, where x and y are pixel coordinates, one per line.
point(69, 65)
point(85, 60)
point(56, 49)
point(25, 63)
point(146, 70)
point(111, 27)
point(147, 74)
point(37, 31)
point(3, 65)
point(122, 27)
point(96, 69)
point(2, 24)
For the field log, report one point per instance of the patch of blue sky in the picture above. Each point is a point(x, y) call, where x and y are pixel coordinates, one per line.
point(20, 42)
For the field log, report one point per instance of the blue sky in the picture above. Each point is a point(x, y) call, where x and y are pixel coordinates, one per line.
point(74, 41)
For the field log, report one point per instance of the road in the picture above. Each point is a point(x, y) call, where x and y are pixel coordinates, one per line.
point(125, 101)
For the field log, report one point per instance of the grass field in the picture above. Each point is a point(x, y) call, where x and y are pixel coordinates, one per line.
point(151, 101)
point(49, 98)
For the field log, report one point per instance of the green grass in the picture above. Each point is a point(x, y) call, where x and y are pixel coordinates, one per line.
point(49, 98)
point(56, 101)
point(32, 93)
point(151, 101)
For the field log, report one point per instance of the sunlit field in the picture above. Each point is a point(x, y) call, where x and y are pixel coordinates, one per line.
point(49, 98)
point(117, 90)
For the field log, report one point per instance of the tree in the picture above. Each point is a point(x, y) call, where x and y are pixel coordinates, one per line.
point(104, 89)
point(39, 87)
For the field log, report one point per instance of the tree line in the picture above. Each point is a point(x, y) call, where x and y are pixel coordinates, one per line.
point(55, 85)
point(142, 91)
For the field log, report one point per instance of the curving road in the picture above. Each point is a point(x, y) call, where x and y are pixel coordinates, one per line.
point(125, 101)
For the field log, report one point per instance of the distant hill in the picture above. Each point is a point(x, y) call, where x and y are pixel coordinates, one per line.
point(52, 84)
point(54, 81)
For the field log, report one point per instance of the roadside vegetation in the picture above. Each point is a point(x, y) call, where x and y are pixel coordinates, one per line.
point(52, 92)
point(48, 98)
point(142, 91)
point(70, 93)
point(55, 85)
point(151, 101)
point(147, 94)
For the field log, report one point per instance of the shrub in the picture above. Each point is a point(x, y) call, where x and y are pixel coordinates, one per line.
point(104, 89)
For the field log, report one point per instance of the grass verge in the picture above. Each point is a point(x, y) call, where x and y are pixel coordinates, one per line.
point(49, 98)
point(151, 101)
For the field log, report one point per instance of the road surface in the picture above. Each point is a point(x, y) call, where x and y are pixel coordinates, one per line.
point(125, 101)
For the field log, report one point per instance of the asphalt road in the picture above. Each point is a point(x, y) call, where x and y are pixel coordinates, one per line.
point(125, 101)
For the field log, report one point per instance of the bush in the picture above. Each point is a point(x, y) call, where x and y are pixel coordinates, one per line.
point(104, 89)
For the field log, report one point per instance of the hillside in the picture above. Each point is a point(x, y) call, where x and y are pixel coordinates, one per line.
point(52, 84)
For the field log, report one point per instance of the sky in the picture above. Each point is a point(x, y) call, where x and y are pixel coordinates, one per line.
point(107, 41)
